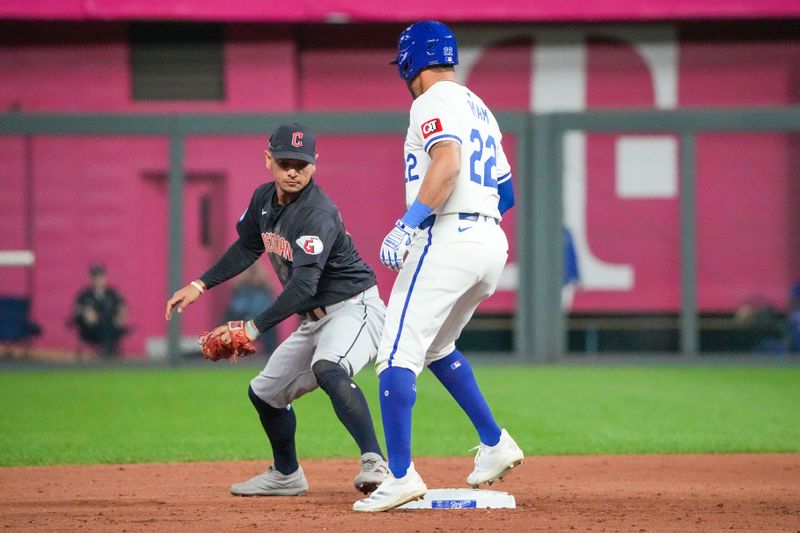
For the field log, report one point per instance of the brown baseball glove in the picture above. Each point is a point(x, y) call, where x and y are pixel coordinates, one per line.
point(227, 341)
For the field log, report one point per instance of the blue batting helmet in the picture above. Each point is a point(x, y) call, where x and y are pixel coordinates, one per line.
point(422, 45)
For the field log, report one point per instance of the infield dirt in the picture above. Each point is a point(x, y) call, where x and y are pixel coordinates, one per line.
point(750, 492)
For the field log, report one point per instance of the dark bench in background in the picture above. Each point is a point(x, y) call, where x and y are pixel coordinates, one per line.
point(16, 327)
point(618, 333)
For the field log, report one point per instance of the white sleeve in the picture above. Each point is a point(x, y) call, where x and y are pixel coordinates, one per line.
point(503, 167)
point(433, 119)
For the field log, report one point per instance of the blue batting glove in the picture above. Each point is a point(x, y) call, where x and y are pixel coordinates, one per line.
point(395, 245)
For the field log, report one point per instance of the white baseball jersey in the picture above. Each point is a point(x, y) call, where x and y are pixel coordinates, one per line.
point(448, 111)
point(456, 258)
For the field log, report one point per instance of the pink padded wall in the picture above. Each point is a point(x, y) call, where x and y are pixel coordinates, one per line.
point(91, 194)
point(13, 280)
point(94, 202)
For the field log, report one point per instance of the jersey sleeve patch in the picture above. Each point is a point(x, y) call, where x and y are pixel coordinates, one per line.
point(430, 127)
point(310, 244)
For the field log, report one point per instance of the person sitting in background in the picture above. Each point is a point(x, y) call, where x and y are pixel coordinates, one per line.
point(760, 326)
point(252, 293)
point(99, 314)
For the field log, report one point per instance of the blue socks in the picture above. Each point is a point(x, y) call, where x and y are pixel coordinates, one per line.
point(398, 391)
point(455, 373)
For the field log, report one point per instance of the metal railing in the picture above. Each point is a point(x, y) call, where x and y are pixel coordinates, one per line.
point(540, 302)
point(539, 323)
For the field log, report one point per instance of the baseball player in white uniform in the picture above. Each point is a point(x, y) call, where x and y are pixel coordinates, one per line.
point(449, 249)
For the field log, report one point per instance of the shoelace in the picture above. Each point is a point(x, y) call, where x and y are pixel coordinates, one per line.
point(481, 448)
point(370, 464)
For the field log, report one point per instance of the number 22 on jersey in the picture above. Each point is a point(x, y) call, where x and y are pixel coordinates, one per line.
point(482, 175)
point(411, 165)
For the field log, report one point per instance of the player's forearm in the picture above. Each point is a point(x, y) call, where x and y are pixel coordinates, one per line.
point(293, 299)
point(440, 179)
point(234, 261)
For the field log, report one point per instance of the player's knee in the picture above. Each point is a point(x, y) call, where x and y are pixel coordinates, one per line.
point(262, 398)
point(327, 373)
point(254, 398)
point(338, 385)
point(264, 407)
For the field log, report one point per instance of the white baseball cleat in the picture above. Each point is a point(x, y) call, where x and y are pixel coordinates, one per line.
point(393, 492)
point(493, 462)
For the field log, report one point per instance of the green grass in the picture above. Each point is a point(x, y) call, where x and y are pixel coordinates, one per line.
point(116, 416)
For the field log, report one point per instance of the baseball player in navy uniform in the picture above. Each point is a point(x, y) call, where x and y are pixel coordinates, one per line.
point(324, 280)
point(449, 249)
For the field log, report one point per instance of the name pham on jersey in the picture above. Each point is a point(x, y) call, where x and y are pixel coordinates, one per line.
point(480, 112)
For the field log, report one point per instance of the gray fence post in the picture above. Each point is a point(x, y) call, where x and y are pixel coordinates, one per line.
point(688, 215)
point(534, 278)
point(175, 271)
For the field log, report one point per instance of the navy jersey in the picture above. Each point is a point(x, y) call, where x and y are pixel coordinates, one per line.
point(107, 305)
point(307, 231)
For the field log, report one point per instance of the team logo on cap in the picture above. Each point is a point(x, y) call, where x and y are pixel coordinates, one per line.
point(297, 139)
point(432, 126)
point(311, 244)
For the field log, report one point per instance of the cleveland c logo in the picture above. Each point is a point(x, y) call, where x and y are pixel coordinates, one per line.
point(297, 139)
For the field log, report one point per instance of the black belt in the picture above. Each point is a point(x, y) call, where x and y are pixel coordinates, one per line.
point(474, 217)
point(316, 314)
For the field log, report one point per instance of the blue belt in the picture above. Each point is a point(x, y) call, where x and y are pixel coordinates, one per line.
point(474, 217)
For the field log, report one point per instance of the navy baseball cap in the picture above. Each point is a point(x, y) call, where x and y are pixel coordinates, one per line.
point(293, 141)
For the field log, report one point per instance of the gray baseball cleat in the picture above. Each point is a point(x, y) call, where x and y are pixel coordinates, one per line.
point(273, 483)
point(373, 472)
